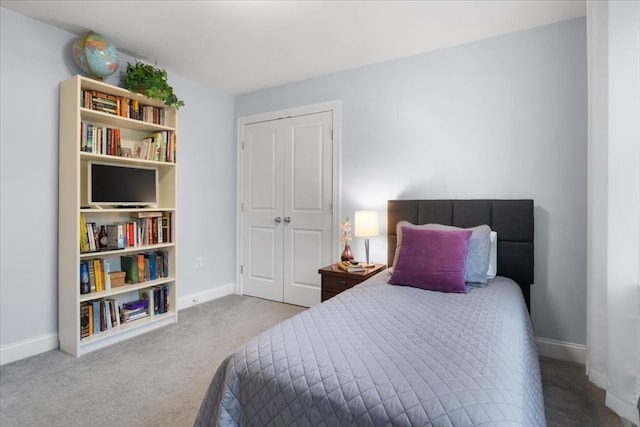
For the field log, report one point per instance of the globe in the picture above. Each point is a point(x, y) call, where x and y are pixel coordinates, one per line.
point(96, 56)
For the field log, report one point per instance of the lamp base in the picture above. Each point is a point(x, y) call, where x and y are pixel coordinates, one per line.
point(366, 248)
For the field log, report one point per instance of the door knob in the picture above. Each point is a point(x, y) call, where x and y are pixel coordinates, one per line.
point(278, 220)
point(287, 219)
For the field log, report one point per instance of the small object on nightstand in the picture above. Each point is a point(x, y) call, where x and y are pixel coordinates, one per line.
point(351, 267)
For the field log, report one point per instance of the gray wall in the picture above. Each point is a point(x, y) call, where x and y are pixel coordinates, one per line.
point(35, 58)
point(500, 118)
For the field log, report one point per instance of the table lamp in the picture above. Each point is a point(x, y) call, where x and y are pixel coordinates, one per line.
point(366, 225)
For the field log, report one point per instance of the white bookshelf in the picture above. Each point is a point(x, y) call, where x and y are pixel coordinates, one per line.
point(73, 178)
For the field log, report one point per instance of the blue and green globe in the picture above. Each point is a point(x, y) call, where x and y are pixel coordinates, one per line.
point(96, 56)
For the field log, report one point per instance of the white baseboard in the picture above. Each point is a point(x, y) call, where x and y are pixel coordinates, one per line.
point(562, 350)
point(23, 349)
point(204, 296)
point(30, 347)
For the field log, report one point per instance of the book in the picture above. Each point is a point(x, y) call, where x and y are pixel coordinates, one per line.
point(133, 310)
point(103, 315)
point(142, 274)
point(90, 305)
point(129, 264)
point(91, 236)
point(97, 270)
point(89, 138)
point(160, 299)
point(157, 230)
point(84, 241)
point(146, 214)
point(96, 316)
point(153, 231)
point(129, 312)
point(150, 259)
point(84, 320)
point(107, 315)
point(166, 227)
point(115, 236)
point(106, 278)
point(115, 312)
point(85, 286)
point(165, 263)
point(129, 317)
point(351, 268)
point(92, 276)
point(136, 305)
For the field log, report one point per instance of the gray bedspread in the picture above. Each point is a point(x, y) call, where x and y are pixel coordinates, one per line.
point(384, 355)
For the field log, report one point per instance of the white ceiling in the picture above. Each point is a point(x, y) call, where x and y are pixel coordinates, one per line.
point(243, 46)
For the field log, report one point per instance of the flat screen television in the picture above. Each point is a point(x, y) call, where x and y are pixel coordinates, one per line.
point(122, 186)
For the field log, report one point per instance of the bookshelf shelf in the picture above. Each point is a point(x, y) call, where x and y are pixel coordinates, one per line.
point(125, 289)
point(134, 249)
point(124, 331)
point(148, 233)
point(123, 122)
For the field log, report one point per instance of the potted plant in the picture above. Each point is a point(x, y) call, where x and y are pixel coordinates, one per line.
point(151, 81)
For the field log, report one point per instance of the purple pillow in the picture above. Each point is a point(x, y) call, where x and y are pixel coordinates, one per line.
point(432, 259)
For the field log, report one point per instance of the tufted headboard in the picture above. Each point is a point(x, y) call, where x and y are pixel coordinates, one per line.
point(511, 219)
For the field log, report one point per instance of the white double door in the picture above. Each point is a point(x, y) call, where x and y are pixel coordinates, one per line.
point(286, 218)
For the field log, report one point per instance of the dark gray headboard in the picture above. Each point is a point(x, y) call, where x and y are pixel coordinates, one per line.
point(511, 219)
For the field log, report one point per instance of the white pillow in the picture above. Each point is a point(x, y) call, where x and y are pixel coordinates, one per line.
point(493, 256)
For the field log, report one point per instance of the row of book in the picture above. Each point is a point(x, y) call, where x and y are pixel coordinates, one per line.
point(95, 275)
point(100, 139)
point(122, 106)
point(143, 267)
point(145, 228)
point(89, 240)
point(134, 310)
point(158, 297)
point(160, 146)
point(104, 314)
point(99, 315)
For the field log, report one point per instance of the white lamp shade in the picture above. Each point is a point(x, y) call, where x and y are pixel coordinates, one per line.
point(366, 224)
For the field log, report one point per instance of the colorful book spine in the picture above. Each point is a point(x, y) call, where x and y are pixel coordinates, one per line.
point(84, 321)
point(129, 264)
point(106, 278)
point(96, 316)
point(84, 242)
point(97, 269)
point(85, 286)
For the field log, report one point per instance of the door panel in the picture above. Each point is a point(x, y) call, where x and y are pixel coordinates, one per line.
point(287, 175)
point(262, 190)
point(261, 151)
point(264, 270)
point(306, 148)
point(307, 201)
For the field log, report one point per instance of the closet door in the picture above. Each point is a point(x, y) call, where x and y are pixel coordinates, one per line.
point(287, 196)
point(262, 237)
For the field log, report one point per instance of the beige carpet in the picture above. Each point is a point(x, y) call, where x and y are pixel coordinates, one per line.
point(570, 399)
point(158, 379)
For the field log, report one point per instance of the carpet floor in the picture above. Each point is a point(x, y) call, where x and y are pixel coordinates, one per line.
point(159, 378)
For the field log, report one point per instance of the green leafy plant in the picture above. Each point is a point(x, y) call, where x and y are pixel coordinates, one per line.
point(151, 81)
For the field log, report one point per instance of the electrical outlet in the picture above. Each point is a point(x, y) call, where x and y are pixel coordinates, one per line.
point(198, 262)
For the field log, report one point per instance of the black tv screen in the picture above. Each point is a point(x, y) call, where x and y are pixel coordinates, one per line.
point(116, 185)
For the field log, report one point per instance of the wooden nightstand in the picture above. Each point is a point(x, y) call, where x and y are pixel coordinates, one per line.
point(335, 280)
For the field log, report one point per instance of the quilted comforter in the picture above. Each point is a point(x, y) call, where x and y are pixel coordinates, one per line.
point(384, 355)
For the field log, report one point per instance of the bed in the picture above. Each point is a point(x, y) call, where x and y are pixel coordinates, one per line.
point(385, 355)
